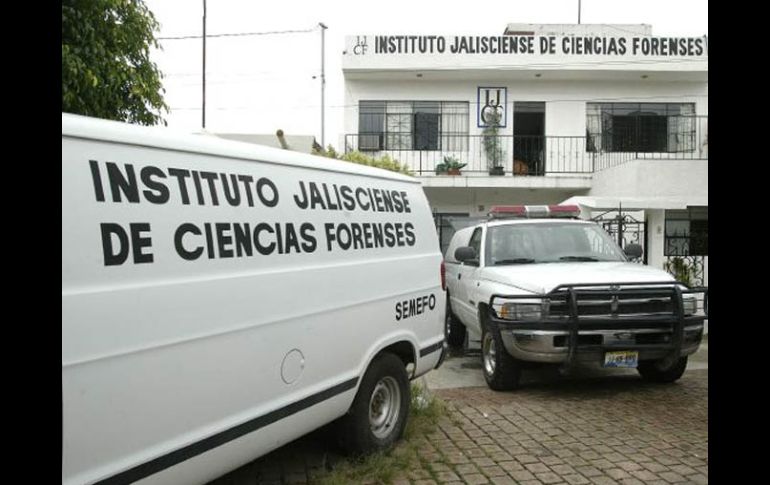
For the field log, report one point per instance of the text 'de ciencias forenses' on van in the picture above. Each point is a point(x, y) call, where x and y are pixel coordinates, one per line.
point(127, 183)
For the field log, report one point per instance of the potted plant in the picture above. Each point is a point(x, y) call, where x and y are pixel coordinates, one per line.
point(493, 146)
point(451, 166)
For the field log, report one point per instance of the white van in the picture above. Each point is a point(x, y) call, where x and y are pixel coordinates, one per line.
point(220, 299)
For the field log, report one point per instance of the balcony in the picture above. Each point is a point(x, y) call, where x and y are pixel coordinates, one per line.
point(538, 156)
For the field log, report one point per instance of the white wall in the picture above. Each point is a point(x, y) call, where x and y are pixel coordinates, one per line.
point(565, 100)
point(656, 227)
point(687, 180)
point(683, 180)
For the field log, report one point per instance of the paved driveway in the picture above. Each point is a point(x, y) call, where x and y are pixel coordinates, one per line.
point(592, 426)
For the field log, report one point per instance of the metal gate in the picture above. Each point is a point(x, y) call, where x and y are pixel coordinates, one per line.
point(624, 229)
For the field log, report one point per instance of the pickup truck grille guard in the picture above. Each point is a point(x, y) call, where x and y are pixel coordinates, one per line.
point(665, 298)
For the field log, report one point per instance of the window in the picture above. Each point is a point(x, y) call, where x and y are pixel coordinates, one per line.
point(371, 125)
point(687, 232)
point(427, 126)
point(641, 127)
point(475, 242)
point(549, 243)
point(413, 125)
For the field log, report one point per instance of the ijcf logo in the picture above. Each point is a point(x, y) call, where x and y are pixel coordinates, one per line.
point(491, 103)
point(360, 47)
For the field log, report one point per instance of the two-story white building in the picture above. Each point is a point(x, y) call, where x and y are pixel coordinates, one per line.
point(609, 117)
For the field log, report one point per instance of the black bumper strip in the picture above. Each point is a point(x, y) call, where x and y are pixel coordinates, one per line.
point(596, 324)
point(431, 348)
point(190, 451)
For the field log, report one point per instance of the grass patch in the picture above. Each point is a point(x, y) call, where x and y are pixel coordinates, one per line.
point(382, 468)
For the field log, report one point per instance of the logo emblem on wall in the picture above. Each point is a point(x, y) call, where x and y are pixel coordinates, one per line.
point(490, 106)
point(360, 47)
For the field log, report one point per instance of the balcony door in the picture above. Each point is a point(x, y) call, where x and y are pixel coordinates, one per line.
point(529, 138)
point(427, 126)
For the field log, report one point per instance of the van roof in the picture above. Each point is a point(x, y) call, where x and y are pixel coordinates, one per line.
point(76, 126)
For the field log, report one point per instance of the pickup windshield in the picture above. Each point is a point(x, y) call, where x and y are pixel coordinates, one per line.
point(549, 243)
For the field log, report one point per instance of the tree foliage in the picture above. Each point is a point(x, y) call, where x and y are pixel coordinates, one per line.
point(384, 161)
point(106, 68)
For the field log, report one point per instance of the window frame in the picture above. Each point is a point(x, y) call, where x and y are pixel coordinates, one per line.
point(479, 231)
point(696, 244)
point(676, 135)
point(407, 140)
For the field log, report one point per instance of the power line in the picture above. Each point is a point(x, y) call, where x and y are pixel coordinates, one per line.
point(239, 34)
point(240, 74)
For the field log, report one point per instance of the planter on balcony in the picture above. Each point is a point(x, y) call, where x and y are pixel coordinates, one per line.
point(451, 166)
point(443, 170)
point(494, 147)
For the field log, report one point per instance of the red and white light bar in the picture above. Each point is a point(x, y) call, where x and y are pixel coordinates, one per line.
point(535, 211)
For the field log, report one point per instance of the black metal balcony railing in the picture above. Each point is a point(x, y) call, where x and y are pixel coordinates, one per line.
point(520, 155)
point(512, 155)
point(676, 138)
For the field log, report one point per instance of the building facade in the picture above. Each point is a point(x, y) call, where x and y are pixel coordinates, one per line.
point(608, 117)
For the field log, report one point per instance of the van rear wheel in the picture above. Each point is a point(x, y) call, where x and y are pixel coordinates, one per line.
point(380, 409)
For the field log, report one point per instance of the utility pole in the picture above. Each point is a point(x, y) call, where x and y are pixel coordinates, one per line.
point(578, 12)
point(323, 84)
point(204, 65)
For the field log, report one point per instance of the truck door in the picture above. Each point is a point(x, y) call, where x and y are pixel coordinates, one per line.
point(468, 276)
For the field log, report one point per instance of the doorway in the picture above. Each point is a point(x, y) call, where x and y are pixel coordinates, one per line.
point(529, 138)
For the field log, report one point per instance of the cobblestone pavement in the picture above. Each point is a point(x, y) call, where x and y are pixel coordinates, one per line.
point(612, 429)
point(615, 430)
point(604, 430)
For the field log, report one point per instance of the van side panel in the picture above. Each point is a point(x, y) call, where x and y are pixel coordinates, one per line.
point(185, 318)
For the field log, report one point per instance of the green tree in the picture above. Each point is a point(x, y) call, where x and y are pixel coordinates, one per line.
point(105, 61)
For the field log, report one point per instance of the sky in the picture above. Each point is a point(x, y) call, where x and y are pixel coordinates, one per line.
point(262, 83)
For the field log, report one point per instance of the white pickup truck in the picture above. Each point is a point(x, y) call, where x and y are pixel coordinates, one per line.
point(541, 286)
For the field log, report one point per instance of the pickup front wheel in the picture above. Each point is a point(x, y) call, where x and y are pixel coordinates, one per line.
point(501, 371)
point(654, 370)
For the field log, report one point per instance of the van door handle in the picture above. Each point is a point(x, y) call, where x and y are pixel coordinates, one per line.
point(459, 276)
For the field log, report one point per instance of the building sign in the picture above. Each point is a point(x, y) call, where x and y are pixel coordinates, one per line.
point(361, 46)
point(490, 107)
point(563, 45)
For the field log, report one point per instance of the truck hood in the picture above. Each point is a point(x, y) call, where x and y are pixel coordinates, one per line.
point(542, 278)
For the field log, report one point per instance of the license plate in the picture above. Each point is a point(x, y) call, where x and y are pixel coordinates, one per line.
point(623, 358)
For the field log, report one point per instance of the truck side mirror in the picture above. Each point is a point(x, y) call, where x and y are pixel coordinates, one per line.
point(466, 254)
point(633, 251)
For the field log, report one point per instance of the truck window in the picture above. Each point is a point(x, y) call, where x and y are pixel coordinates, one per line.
point(549, 243)
point(475, 241)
